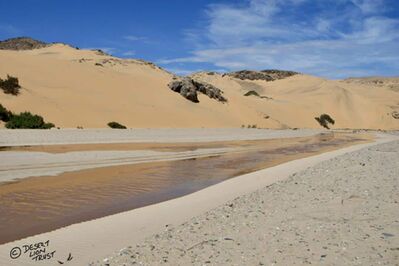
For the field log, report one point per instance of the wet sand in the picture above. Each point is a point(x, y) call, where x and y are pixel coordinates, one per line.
point(184, 146)
point(43, 160)
point(51, 202)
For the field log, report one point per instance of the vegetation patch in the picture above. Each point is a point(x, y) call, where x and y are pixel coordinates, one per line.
point(325, 120)
point(10, 85)
point(28, 120)
point(254, 93)
point(249, 126)
point(116, 125)
point(5, 115)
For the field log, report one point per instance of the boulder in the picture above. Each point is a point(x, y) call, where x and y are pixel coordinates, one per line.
point(189, 88)
point(186, 88)
point(210, 90)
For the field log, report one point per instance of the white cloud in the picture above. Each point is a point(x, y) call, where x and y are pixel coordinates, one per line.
point(129, 53)
point(377, 30)
point(346, 37)
point(182, 71)
point(370, 6)
point(134, 38)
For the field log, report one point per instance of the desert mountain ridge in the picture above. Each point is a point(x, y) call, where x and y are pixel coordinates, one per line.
point(73, 87)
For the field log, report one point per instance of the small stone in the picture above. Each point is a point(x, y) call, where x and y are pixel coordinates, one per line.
point(388, 235)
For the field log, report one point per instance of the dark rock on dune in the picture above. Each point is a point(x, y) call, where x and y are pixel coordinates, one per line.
point(395, 114)
point(189, 89)
point(267, 75)
point(210, 90)
point(21, 43)
point(186, 88)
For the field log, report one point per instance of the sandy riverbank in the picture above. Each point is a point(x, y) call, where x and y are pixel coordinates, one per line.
point(91, 240)
point(90, 188)
point(341, 212)
point(24, 161)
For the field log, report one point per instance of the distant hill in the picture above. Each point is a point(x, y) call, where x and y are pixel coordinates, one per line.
point(84, 88)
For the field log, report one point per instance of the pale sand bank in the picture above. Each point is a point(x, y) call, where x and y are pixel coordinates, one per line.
point(83, 136)
point(90, 241)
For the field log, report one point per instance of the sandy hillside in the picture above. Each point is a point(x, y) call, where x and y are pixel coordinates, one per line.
point(296, 100)
point(72, 87)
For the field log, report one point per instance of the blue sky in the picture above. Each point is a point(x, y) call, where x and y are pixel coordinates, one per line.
point(328, 38)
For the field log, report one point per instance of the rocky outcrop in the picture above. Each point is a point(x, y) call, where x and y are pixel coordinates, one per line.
point(210, 90)
point(186, 88)
point(21, 43)
point(279, 74)
point(267, 75)
point(189, 88)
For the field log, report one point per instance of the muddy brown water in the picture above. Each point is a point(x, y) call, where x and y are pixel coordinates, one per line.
point(40, 204)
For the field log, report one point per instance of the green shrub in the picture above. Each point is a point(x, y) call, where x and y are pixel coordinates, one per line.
point(10, 85)
point(252, 93)
point(324, 120)
point(48, 125)
point(116, 125)
point(5, 115)
point(28, 120)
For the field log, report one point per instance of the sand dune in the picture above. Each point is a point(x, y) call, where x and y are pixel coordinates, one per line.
point(295, 101)
point(72, 87)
